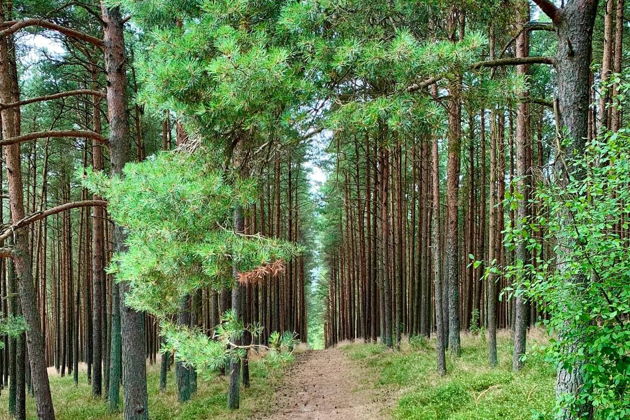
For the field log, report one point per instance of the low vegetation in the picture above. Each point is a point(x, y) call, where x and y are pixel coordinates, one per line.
point(76, 402)
point(471, 390)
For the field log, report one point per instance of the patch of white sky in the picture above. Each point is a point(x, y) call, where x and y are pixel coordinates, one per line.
point(317, 157)
point(33, 48)
point(37, 44)
point(316, 164)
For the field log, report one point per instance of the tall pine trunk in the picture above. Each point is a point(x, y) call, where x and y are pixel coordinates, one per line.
point(9, 93)
point(235, 363)
point(435, 256)
point(523, 177)
point(131, 321)
point(574, 26)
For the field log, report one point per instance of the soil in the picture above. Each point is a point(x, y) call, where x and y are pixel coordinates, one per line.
point(325, 385)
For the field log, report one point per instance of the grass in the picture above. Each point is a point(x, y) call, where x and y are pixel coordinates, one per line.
point(470, 390)
point(75, 402)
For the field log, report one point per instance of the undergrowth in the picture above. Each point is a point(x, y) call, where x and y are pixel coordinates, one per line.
point(470, 390)
point(75, 402)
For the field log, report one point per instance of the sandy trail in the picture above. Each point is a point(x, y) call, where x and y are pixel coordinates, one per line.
point(324, 385)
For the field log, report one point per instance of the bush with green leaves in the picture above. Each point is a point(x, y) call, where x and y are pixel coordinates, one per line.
point(177, 210)
point(585, 286)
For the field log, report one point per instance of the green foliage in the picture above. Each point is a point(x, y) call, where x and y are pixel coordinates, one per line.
point(586, 286)
point(177, 211)
point(221, 66)
point(12, 326)
point(208, 354)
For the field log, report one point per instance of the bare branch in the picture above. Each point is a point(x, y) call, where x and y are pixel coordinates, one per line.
point(549, 9)
point(84, 6)
point(538, 101)
point(49, 212)
point(513, 61)
point(14, 26)
point(56, 134)
point(491, 63)
point(425, 83)
point(539, 26)
point(531, 26)
point(54, 96)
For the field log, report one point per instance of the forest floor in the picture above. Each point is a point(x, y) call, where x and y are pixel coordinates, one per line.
point(471, 390)
point(327, 385)
point(74, 402)
point(351, 381)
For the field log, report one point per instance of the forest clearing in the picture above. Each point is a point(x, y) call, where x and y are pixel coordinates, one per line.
point(314, 209)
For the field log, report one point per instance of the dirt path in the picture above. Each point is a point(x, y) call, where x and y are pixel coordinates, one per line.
point(325, 384)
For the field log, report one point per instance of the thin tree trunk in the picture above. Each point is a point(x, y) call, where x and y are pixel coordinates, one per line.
point(435, 255)
point(452, 228)
point(235, 364)
point(523, 176)
point(98, 259)
point(493, 244)
point(615, 117)
point(182, 372)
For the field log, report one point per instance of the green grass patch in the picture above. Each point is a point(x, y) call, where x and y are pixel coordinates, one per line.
point(75, 402)
point(470, 390)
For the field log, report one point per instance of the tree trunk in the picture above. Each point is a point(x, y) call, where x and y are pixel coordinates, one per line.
point(115, 358)
point(132, 322)
point(182, 372)
point(452, 198)
point(574, 25)
point(164, 366)
point(98, 259)
point(523, 180)
point(9, 93)
point(385, 285)
point(435, 255)
point(235, 364)
point(452, 226)
point(615, 117)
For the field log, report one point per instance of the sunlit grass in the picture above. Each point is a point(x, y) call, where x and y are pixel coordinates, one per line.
point(75, 402)
point(471, 389)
